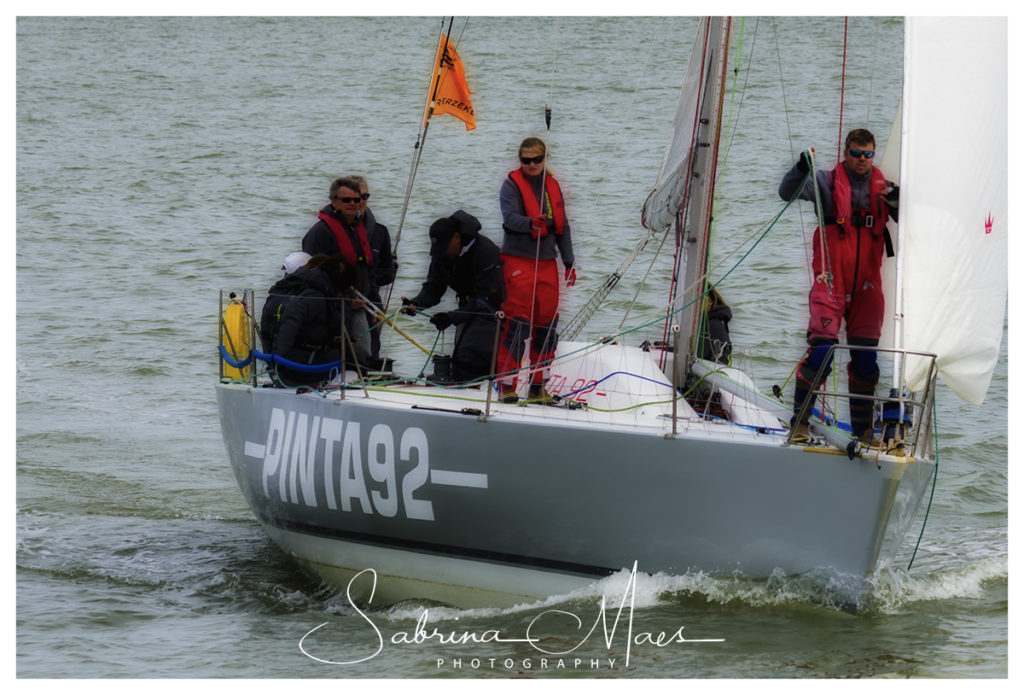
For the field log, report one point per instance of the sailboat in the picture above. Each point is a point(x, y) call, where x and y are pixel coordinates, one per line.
point(442, 492)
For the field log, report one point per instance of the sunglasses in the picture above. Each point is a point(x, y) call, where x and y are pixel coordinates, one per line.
point(532, 160)
point(866, 154)
point(364, 196)
point(348, 200)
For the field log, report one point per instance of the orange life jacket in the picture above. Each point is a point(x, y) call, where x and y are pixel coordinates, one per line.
point(348, 252)
point(555, 208)
point(848, 219)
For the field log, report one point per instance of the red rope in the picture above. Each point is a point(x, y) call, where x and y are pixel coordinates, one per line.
point(686, 194)
point(842, 91)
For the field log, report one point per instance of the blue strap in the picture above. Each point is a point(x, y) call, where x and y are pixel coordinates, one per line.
point(277, 359)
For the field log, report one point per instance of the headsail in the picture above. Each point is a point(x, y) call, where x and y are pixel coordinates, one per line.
point(663, 206)
point(953, 206)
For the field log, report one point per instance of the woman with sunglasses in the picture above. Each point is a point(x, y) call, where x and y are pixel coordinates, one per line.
point(536, 232)
point(856, 201)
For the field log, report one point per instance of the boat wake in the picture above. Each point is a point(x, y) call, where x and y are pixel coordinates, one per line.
point(890, 591)
point(894, 590)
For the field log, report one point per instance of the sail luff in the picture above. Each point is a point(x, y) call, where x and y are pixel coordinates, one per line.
point(664, 204)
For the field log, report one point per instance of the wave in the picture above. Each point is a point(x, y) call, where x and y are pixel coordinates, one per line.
point(891, 591)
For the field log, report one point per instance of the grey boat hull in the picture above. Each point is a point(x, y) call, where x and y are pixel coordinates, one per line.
point(532, 501)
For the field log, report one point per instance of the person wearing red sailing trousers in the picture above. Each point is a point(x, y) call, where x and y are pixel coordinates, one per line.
point(340, 229)
point(536, 232)
point(856, 201)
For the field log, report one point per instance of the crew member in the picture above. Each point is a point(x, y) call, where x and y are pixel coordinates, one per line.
point(279, 295)
point(340, 229)
point(384, 267)
point(536, 232)
point(310, 329)
point(856, 201)
point(468, 262)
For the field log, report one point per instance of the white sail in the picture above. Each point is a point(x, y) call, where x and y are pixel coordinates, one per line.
point(685, 189)
point(953, 186)
point(663, 205)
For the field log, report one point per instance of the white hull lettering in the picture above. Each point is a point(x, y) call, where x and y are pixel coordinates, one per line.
point(319, 462)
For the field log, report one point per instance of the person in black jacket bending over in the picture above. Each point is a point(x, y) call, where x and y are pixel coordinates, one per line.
point(469, 263)
point(310, 329)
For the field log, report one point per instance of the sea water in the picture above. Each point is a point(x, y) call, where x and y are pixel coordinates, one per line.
point(160, 159)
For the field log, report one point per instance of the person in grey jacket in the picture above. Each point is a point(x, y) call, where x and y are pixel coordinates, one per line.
point(536, 232)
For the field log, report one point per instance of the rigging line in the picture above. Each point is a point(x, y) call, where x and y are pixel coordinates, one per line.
point(935, 477)
point(871, 87)
point(842, 92)
point(760, 236)
point(434, 86)
point(710, 196)
point(421, 138)
point(544, 207)
point(731, 127)
point(643, 280)
point(554, 70)
point(669, 311)
point(736, 70)
point(577, 323)
point(680, 231)
point(826, 260)
point(789, 133)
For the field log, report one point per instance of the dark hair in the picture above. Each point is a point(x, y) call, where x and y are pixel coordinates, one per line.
point(341, 275)
point(342, 182)
point(861, 136)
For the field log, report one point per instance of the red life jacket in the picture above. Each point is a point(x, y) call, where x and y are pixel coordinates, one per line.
point(843, 206)
point(555, 207)
point(348, 252)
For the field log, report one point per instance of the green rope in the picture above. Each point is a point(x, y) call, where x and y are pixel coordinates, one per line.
point(935, 477)
point(657, 319)
point(424, 367)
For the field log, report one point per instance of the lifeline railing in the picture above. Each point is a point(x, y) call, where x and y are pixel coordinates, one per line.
point(898, 429)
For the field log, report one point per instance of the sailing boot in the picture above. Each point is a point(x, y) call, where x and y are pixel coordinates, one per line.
point(804, 384)
point(539, 394)
point(862, 410)
point(801, 393)
point(508, 393)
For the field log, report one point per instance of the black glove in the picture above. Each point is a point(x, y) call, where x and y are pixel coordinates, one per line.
point(408, 308)
point(803, 164)
point(892, 198)
point(441, 319)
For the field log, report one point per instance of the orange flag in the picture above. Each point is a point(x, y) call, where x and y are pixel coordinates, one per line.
point(451, 93)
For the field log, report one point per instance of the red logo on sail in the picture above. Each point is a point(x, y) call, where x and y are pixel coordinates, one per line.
point(988, 224)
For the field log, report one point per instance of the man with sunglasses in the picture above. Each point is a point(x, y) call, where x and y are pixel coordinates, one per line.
point(856, 202)
point(340, 230)
point(536, 231)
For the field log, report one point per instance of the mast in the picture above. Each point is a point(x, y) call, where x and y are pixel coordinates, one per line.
point(693, 230)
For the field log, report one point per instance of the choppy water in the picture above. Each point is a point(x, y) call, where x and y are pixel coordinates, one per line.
point(159, 159)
